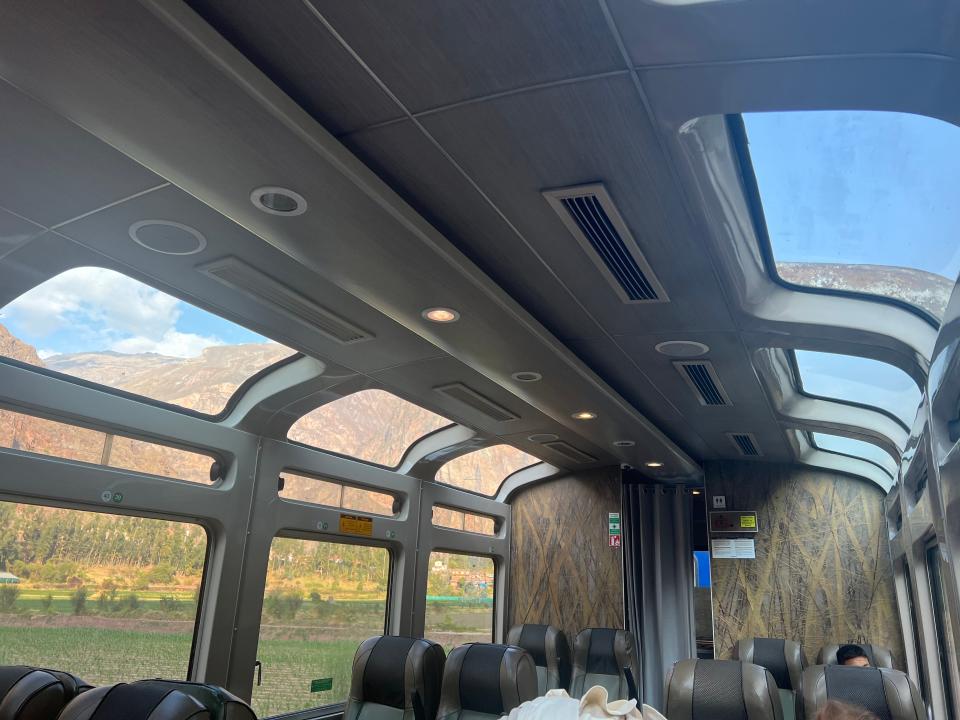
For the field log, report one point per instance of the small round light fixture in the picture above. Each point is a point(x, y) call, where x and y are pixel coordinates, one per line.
point(441, 315)
point(541, 438)
point(584, 415)
point(278, 201)
point(653, 464)
point(682, 348)
point(695, 492)
point(167, 237)
point(623, 443)
point(527, 376)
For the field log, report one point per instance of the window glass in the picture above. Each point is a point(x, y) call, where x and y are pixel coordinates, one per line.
point(331, 494)
point(113, 598)
point(860, 380)
point(459, 599)
point(856, 448)
point(46, 437)
point(483, 470)
point(862, 201)
point(107, 328)
point(371, 425)
point(944, 629)
point(467, 522)
point(322, 600)
point(915, 626)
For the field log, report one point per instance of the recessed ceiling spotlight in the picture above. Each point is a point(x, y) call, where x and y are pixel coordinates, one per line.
point(278, 201)
point(167, 237)
point(527, 376)
point(654, 464)
point(441, 315)
point(682, 348)
point(543, 437)
point(696, 492)
point(584, 415)
point(623, 443)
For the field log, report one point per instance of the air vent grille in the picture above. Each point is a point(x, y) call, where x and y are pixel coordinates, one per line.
point(482, 404)
point(745, 443)
point(236, 274)
point(703, 380)
point(570, 452)
point(593, 219)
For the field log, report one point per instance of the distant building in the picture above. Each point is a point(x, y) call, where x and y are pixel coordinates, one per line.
point(8, 578)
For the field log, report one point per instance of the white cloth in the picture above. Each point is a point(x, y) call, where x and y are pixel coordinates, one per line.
point(594, 705)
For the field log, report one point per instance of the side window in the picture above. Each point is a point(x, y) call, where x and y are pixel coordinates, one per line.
point(459, 599)
point(322, 599)
point(915, 627)
point(112, 598)
point(333, 494)
point(941, 617)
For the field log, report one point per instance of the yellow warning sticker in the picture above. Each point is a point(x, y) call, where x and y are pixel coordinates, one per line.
point(356, 525)
point(748, 521)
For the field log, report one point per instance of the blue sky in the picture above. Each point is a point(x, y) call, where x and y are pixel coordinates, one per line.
point(859, 187)
point(94, 309)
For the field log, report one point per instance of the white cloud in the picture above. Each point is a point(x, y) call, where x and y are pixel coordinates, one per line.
point(43, 353)
point(173, 342)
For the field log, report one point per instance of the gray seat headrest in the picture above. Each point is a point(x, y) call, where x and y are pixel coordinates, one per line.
point(878, 656)
point(482, 680)
point(599, 658)
point(721, 690)
point(889, 694)
point(783, 658)
point(28, 693)
point(143, 700)
point(549, 649)
point(221, 704)
point(390, 672)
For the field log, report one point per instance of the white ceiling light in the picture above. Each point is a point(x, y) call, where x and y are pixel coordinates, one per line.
point(542, 437)
point(682, 348)
point(653, 464)
point(623, 443)
point(278, 201)
point(441, 315)
point(527, 376)
point(167, 237)
point(584, 415)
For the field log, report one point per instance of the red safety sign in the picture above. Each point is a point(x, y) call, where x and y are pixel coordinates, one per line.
point(615, 541)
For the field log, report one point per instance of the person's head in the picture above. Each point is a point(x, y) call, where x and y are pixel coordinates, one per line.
point(836, 710)
point(852, 655)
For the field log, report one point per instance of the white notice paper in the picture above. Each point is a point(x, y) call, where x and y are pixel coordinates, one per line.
point(730, 549)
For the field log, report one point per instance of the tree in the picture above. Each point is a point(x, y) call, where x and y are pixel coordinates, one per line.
point(8, 597)
point(79, 600)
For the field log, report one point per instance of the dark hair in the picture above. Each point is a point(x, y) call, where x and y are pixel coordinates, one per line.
point(848, 652)
point(835, 710)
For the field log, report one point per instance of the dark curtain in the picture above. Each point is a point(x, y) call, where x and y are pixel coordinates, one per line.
point(658, 580)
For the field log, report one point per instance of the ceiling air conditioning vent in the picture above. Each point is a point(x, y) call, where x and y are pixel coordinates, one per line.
point(482, 404)
point(745, 443)
point(236, 274)
point(593, 219)
point(702, 379)
point(570, 452)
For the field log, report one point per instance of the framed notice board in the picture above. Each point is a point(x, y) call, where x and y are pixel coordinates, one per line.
point(734, 521)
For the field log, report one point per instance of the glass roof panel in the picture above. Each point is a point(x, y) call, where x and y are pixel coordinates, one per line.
point(860, 380)
point(482, 471)
point(104, 327)
point(861, 201)
point(370, 425)
point(857, 448)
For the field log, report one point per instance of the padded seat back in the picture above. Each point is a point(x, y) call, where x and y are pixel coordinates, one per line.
point(878, 656)
point(391, 675)
point(721, 690)
point(221, 704)
point(889, 694)
point(784, 660)
point(482, 681)
point(143, 700)
point(28, 693)
point(600, 656)
point(550, 651)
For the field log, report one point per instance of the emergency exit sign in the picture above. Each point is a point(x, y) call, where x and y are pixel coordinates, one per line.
point(613, 529)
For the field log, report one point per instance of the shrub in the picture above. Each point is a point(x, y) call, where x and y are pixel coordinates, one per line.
point(46, 604)
point(131, 602)
point(8, 596)
point(169, 604)
point(79, 600)
point(283, 606)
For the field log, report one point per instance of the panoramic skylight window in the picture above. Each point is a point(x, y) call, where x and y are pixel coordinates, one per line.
point(856, 448)
point(107, 328)
point(482, 471)
point(371, 425)
point(860, 380)
point(861, 201)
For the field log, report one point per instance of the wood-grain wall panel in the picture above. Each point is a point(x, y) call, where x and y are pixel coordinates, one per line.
point(822, 571)
point(562, 571)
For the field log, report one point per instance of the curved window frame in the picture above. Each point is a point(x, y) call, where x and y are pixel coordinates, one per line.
point(334, 453)
point(798, 386)
point(815, 446)
point(495, 493)
point(738, 134)
point(228, 407)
